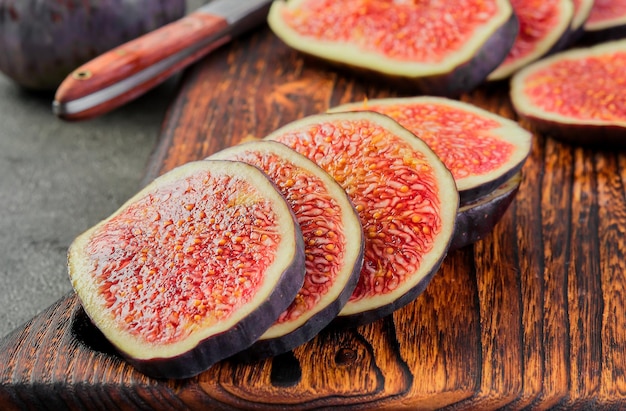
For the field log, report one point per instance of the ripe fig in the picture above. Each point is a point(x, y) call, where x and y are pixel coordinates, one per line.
point(576, 95)
point(406, 199)
point(192, 269)
point(543, 23)
point(478, 218)
point(41, 42)
point(439, 48)
point(607, 21)
point(333, 242)
point(480, 148)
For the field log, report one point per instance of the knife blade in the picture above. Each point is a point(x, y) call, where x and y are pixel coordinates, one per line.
point(131, 69)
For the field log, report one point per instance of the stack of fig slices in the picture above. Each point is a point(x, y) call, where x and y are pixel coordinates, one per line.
point(338, 217)
point(484, 151)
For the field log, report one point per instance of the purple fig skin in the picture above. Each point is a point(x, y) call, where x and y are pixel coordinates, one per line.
point(41, 42)
point(460, 79)
point(590, 37)
point(477, 219)
point(604, 137)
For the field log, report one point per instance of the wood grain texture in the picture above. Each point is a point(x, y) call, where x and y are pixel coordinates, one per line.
point(531, 317)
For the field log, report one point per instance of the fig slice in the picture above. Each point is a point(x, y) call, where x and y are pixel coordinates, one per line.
point(478, 218)
point(576, 95)
point(607, 21)
point(543, 23)
point(406, 199)
point(439, 48)
point(480, 148)
point(192, 269)
point(333, 243)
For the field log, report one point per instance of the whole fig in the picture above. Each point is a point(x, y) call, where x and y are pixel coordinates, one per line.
point(42, 41)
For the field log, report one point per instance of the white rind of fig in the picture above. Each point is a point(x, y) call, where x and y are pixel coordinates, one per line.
point(450, 74)
point(133, 245)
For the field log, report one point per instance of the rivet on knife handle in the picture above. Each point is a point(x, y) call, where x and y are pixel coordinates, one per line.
point(127, 71)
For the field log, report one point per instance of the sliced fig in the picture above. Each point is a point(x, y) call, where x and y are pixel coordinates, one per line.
point(405, 196)
point(333, 242)
point(607, 21)
point(542, 25)
point(439, 48)
point(577, 95)
point(480, 148)
point(478, 218)
point(192, 269)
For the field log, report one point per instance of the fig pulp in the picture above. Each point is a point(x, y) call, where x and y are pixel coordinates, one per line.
point(576, 95)
point(481, 149)
point(439, 48)
point(333, 242)
point(191, 270)
point(607, 21)
point(406, 199)
point(542, 25)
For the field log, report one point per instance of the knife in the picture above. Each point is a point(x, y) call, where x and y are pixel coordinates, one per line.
point(131, 69)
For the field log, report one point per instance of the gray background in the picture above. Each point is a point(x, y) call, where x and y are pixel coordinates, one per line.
point(57, 179)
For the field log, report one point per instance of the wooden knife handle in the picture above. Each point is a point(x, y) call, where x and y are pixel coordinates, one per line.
point(110, 75)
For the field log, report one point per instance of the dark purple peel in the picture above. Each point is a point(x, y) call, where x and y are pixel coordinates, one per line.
point(163, 328)
point(477, 219)
point(307, 188)
point(450, 78)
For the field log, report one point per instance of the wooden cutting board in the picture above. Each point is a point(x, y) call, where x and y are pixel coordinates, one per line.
point(532, 316)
